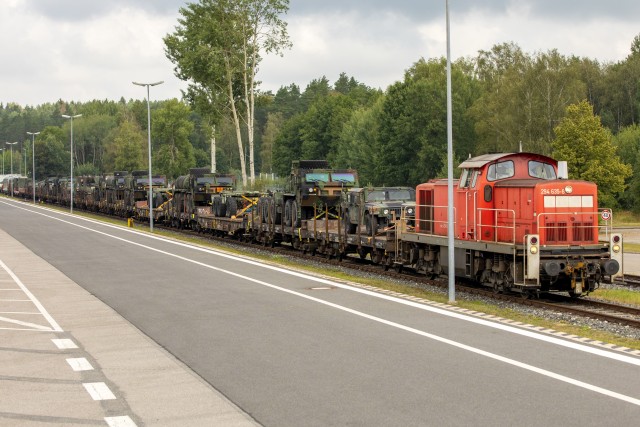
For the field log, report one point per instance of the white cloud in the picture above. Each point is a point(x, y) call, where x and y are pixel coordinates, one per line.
point(78, 50)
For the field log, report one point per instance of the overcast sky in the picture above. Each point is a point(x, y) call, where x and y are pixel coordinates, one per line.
point(79, 50)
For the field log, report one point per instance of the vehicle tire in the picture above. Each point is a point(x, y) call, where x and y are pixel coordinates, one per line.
point(371, 224)
point(288, 215)
point(295, 219)
point(232, 207)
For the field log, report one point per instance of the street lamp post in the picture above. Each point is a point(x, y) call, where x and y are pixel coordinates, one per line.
point(71, 118)
point(11, 146)
point(2, 149)
point(33, 166)
point(150, 194)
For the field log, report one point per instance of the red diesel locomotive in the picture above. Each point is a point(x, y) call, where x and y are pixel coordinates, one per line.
point(520, 225)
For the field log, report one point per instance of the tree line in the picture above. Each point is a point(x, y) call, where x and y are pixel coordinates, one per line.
point(504, 99)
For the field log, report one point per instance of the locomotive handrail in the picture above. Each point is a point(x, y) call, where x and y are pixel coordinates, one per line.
point(495, 226)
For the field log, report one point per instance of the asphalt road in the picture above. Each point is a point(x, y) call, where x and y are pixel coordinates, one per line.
point(293, 350)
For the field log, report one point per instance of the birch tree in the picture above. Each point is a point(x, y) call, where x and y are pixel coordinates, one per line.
point(217, 48)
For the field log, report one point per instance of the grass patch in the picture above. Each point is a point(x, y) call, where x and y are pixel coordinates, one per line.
point(626, 219)
point(618, 296)
point(631, 247)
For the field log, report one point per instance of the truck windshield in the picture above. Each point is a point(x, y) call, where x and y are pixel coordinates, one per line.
point(344, 177)
point(317, 177)
point(402, 195)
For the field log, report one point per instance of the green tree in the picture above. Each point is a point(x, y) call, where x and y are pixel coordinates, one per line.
point(627, 143)
point(360, 142)
point(51, 157)
point(127, 147)
point(588, 148)
point(412, 132)
point(217, 46)
point(173, 153)
point(523, 97)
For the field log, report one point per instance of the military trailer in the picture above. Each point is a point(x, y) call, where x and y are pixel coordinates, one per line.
point(374, 207)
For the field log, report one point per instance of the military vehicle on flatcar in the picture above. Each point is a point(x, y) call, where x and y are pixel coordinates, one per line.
point(374, 207)
point(313, 190)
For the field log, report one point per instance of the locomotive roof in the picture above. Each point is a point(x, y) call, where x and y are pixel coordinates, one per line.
point(479, 161)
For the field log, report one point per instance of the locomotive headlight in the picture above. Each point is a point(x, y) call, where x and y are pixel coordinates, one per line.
point(386, 211)
point(616, 248)
point(311, 190)
point(534, 250)
point(410, 211)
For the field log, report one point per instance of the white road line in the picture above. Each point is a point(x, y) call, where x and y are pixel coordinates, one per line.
point(80, 364)
point(124, 421)
point(53, 323)
point(531, 368)
point(99, 391)
point(21, 323)
point(15, 300)
point(64, 344)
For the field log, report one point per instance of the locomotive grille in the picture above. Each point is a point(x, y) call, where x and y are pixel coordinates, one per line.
point(583, 232)
point(556, 232)
point(580, 232)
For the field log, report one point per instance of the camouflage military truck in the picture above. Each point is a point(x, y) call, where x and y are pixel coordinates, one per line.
point(373, 207)
point(193, 194)
point(137, 189)
point(314, 190)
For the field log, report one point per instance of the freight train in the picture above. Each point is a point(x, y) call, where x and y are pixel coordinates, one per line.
point(520, 224)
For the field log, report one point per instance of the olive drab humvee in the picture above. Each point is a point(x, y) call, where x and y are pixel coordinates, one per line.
point(374, 207)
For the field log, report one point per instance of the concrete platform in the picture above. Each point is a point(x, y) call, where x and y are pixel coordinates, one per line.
point(68, 359)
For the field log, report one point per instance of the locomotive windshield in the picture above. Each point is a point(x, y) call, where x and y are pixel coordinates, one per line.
point(541, 170)
point(500, 170)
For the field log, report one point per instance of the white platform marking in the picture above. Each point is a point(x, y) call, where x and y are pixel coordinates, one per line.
point(32, 298)
point(80, 364)
point(64, 344)
point(99, 391)
point(124, 421)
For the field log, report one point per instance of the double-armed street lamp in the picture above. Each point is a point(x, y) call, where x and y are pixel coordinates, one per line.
point(71, 183)
point(150, 194)
point(33, 166)
point(11, 144)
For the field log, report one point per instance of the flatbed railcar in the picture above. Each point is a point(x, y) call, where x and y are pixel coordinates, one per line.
point(520, 225)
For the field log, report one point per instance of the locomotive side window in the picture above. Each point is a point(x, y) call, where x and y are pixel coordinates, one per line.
point(464, 178)
point(500, 170)
point(474, 178)
point(541, 170)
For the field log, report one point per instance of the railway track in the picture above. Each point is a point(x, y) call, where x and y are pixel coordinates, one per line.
point(582, 307)
point(629, 280)
point(614, 313)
